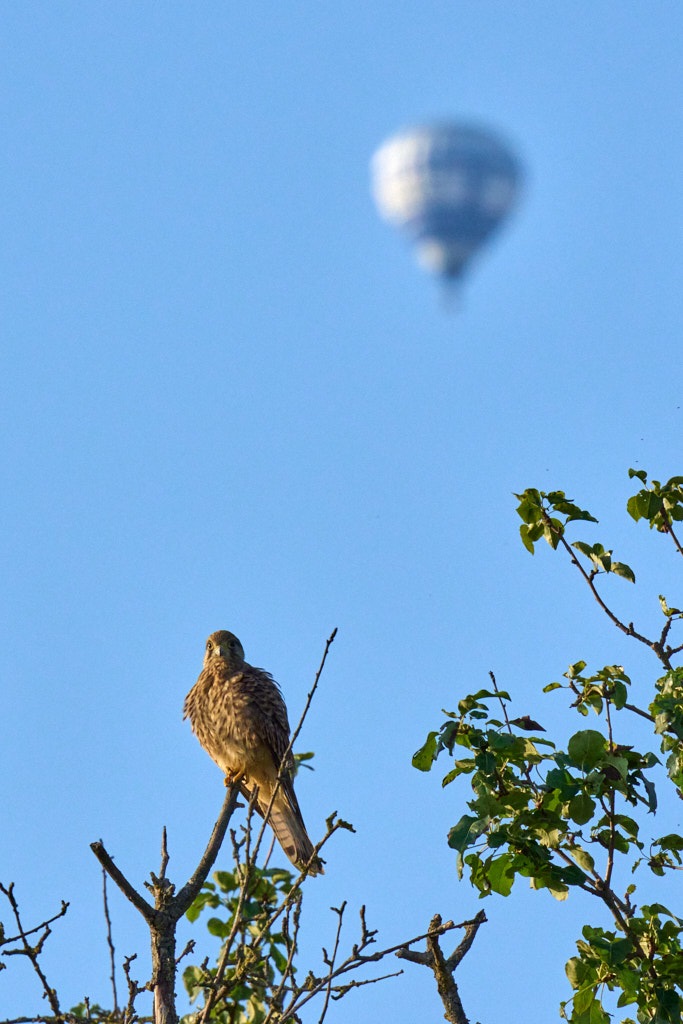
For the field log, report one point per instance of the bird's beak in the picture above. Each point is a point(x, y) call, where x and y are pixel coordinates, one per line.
point(218, 652)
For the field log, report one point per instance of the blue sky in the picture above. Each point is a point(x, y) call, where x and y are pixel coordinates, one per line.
point(230, 399)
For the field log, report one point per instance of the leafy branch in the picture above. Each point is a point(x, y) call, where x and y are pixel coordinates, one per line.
point(546, 515)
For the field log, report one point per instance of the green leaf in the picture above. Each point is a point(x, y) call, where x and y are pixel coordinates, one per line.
point(575, 670)
point(581, 809)
point(526, 540)
point(500, 875)
point(619, 695)
point(552, 531)
point(597, 1014)
point(621, 569)
point(582, 858)
point(218, 927)
point(640, 473)
point(632, 508)
point(665, 608)
point(670, 842)
point(577, 971)
point(552, 686)
point(467, 830)
point(618, 764)
point(558, 891)
point(586, 748)
point(424, 758)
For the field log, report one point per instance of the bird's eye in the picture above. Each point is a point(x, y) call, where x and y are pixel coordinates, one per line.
point(209, 645)
point(233, 644)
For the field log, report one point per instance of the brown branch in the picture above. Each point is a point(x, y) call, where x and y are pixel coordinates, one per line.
point(445, 982)
point(216, 982)
point(668, 528)
point(189, 948)
point(164, 854)
point(444, 968)
point(189, 892)
point(131, 894)
point(134, 990)
point(471, 928)
point(639, 711)
point(675, 539)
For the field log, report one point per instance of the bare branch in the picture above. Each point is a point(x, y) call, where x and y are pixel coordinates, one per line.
point(471, 928)
point(330, 962)
point(295, 734)
point(639, 711)
point(164, 854)
point(357, 958)
point(189, 948)
point(110, 942)
point(131, 894)
point(33, 952)
point(188, 893)
point(134, 990)
point(502, 702)
point(444, 968)
point(38, 927)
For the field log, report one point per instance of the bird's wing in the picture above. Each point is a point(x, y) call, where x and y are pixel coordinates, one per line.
point(273, 724)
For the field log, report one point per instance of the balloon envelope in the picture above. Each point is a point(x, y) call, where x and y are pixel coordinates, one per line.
point(448, 186)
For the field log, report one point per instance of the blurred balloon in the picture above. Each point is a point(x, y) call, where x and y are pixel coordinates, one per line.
point(448, 187)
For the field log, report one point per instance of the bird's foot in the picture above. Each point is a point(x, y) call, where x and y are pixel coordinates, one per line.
point(231, 777)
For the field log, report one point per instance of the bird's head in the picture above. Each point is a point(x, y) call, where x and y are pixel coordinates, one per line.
point(226, 646)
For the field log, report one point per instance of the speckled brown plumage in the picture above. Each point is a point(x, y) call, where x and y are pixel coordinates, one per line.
point(239, 716)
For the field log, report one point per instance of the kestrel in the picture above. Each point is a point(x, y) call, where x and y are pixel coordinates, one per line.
point(239, 716)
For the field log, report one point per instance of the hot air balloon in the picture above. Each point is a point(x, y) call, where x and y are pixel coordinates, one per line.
point(448, 187)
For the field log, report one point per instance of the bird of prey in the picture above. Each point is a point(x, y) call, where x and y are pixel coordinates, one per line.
point(239, 716)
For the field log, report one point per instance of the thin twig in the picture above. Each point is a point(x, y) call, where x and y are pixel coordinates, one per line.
point(275, 1002)
point(331, 961)
point(38, 927)
point(164, 854)
point(110, 942)
point(356, 959)
point(668, 524)
point(502, 702)
point(629, 630)
point(639, 711)
point(32, 952)
point(134, 990)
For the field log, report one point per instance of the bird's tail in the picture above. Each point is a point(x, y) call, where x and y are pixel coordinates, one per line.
point(288, 825)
